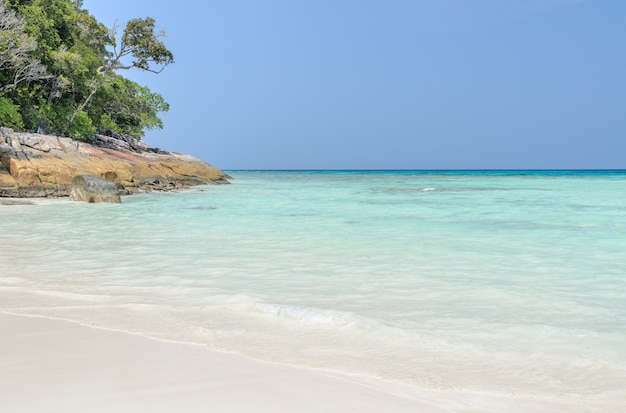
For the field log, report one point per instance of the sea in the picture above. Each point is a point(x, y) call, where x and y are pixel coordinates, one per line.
point(500, 282)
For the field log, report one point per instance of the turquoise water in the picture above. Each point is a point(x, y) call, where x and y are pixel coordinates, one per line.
point(509, 282)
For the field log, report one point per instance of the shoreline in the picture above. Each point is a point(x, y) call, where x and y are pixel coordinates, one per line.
point(60, 366)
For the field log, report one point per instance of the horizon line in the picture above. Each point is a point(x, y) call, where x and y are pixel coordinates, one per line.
point(426, 169)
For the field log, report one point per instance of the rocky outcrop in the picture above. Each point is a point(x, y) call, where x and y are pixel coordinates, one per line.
point(34, 165)
point(92, 189)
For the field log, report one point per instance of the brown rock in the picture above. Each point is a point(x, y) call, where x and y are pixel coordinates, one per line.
point(93, 189)
point(33, 165)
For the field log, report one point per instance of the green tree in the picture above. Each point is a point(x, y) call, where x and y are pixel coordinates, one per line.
point(127, 107)
point(17, 64)
point(140, 40)
point(79, 57)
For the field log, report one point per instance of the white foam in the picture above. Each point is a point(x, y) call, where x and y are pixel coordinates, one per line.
point(305, 315)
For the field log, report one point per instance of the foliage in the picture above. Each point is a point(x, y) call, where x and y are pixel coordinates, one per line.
point(10, 115)
point(127, 105)
point(82, 128)
point(58, 69)
point(16, 46)
point(141, 41)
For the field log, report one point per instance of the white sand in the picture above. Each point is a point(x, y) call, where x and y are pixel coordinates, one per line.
point(57, 366)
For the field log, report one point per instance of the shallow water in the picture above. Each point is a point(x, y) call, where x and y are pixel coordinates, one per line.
point(490, 281)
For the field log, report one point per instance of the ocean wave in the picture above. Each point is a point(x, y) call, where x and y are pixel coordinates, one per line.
point(411, 190)
point(405, 190)
point(306, 315)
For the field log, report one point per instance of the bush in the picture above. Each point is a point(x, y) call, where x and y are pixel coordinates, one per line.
point(82, 129)
point(10, 116)
point(107, 123)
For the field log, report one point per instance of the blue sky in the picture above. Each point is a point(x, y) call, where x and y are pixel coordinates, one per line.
point(364, 84)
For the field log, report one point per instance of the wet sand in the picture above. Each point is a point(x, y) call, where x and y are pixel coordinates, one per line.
point(58, 366)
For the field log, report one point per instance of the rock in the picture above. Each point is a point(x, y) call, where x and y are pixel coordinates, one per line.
point(15, 202)
point(8, 184)
point(33, 165)
point(35, 142)
point(91, 188)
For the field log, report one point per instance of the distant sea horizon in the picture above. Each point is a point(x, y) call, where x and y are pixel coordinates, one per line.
point(444, 171)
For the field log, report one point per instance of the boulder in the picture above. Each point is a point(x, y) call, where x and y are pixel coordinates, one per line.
point(91, 188)
point(34, 165)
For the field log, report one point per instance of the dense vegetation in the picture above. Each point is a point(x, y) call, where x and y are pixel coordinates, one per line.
point(59, 70)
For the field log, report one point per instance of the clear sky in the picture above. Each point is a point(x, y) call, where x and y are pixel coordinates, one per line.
point(389, 84)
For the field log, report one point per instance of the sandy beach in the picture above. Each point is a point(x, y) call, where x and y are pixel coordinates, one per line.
point(58, 366)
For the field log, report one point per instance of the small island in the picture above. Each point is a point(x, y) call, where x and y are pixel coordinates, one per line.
point(65, 110)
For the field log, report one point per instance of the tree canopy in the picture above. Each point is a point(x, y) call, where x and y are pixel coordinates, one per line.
point(59, 70)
